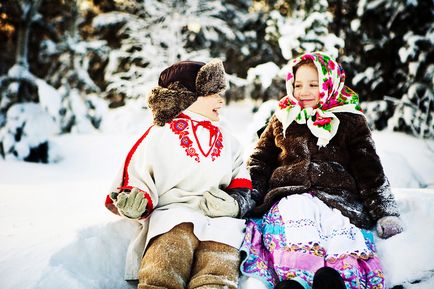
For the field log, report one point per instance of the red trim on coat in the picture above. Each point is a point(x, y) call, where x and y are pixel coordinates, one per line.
point(240, 183)
point(125, 177)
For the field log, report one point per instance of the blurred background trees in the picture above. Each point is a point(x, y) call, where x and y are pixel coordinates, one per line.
point(64, 64)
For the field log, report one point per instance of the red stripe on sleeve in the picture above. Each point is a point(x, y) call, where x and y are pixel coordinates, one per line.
point(240, 183)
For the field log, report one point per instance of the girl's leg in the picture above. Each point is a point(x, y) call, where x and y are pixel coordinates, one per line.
point(373, 273)
point(350, 272)
point(299, 253)
point(168, 259)
point(374, 277)
point(345, 245)
point(216, 266)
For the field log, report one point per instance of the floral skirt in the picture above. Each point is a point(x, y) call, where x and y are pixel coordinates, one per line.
point(299, 235)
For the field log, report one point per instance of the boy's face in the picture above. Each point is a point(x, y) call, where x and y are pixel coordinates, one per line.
point(306, 85)
point(208, 106)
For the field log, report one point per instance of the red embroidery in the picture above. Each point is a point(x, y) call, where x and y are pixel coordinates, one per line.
point(180, 127)
point(240, 183)
point(218, 145)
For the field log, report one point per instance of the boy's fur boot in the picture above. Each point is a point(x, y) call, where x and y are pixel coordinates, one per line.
point(168, 259)
point(178, 260)
point(216, 266)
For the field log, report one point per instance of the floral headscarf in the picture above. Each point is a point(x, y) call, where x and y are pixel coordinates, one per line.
point(334, 97)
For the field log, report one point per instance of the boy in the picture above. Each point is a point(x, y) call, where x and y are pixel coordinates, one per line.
point(186, 183)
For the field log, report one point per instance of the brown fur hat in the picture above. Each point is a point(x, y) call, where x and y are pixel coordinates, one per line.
point(181, 84)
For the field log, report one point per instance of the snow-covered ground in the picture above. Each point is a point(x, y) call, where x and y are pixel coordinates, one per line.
point(56, 233)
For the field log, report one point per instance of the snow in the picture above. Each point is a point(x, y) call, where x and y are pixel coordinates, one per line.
point(27, 126)
point(265, 72)
point(109, 19)
point(49, 98)
point(20, 71)
point(56, 230)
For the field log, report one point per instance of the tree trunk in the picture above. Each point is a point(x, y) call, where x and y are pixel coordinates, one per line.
point(28, 8)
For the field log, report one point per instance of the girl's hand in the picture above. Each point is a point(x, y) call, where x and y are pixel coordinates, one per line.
point(389, 226)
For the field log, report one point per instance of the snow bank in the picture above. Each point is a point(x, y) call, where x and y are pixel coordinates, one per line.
point(56, 231)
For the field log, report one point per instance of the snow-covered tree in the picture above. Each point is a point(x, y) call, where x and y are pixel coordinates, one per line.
point(385, 46)
point(159, 34)
point(71, 61)
point(19, 93)
point(308, 29)
point(58, 106)
point(389, 55)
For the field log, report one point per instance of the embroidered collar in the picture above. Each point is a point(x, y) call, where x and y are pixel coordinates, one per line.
point(334, 97)
point(180, 127)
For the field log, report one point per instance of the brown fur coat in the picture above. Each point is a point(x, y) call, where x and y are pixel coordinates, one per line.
point(346, 174)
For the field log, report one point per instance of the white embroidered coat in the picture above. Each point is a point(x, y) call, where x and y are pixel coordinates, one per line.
point(174, 165)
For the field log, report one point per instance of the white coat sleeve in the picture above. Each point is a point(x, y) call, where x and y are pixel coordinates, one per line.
point(136, 173)
point(240, 187)
point(240, 175)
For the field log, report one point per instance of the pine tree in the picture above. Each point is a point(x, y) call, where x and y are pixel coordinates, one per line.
point(28, 102)
point(389, 55)
point(153, 35)
point(19, 92)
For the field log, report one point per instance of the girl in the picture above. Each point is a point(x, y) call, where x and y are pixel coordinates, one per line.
point(186, 184)
point(321, 187)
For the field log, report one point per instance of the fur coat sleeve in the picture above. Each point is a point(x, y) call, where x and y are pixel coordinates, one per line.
point(263, 161)
point(366, 168)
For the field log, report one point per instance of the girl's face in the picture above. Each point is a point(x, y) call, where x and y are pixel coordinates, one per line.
point(306, 85)
point(208, 106)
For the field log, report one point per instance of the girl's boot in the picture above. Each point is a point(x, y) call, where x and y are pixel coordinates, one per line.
point(328, 278)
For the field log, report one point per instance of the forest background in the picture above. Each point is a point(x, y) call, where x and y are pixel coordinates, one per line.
point(74, 76)
point(65, 64)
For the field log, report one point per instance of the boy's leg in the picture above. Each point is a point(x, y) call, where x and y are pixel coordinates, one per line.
point(216, 266)
point(168, 259)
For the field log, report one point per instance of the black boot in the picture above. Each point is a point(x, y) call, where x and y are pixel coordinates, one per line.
point(328, 278)
point(288, 284)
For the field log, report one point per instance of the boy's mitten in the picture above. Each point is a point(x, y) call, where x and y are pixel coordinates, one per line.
point(217, 203)
point(131, 205)
point(389, 226)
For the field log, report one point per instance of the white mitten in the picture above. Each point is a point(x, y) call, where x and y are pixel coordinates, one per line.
point(217, 203)
point(389, 226)
point(131, 205)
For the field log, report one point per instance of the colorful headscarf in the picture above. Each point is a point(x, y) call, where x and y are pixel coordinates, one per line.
point(334, 97)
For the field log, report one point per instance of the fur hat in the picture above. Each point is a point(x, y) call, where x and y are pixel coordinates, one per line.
point(181, 84)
